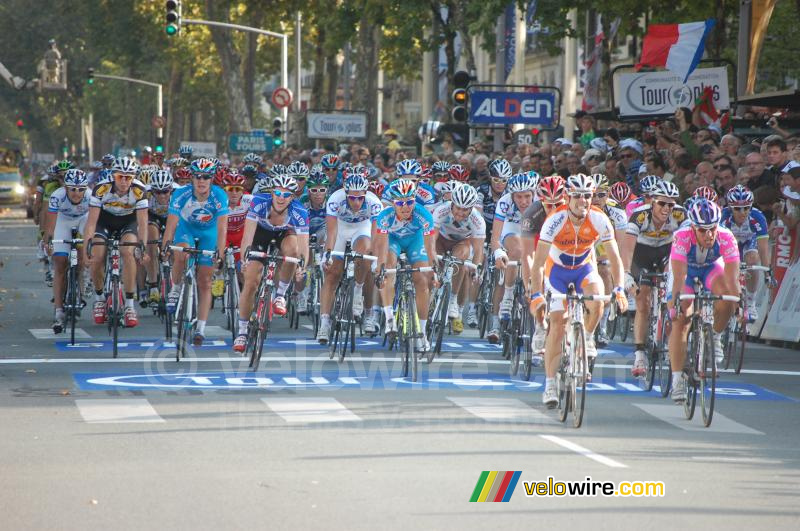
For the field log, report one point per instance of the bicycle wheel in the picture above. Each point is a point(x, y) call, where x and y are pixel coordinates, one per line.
point(708, 375)
point(180, 322)
point(313, 304)
point(346, 320)
point(262, 326)
point(403, 342)
point(114, 316)
point(741, 341)
point(165, 284)
point(624, 324)
point(415, 333)
point(440, 320)
point(71, 303)
point(580, 368)
point(563, 386)
point(527, 345)
point(232, 302)
point(663, 369)
point(690, 372)
point(514, 336)
point(652, 354)
point(612, 323)
point(336, 324)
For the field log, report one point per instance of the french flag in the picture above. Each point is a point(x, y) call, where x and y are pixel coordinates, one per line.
point(677, 47)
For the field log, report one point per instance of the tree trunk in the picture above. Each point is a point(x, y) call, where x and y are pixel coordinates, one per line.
point(332, 80)
point(365, 91)
point(231, 75)
point(461, 26)
point(174, 128)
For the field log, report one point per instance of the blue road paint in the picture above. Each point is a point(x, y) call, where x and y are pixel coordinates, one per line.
point(373, 377)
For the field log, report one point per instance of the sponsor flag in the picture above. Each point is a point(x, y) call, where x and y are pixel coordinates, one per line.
point(676, 47)
point(494, 486)
point(707, 111)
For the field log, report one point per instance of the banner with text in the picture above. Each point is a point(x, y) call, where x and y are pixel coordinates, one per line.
point(506, 108)
point(336, 125)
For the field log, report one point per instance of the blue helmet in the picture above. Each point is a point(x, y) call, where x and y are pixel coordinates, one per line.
point(521, 182)
point(356, 183)
point(402, 188)
point(740, 195)
point(76, 177)
point(704, 213)
point(407, 167)
point(203, 166)
point(330, 161)
point(277, 169)
point(185, 152)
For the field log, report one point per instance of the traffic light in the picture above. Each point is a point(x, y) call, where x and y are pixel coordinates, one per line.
point(460, 97)
point(90, 76)
point(277, 132)
point(173, 17)
point(20, 123)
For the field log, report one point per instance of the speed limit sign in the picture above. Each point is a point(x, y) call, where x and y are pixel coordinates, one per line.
point(281, 97)
point(523, 136)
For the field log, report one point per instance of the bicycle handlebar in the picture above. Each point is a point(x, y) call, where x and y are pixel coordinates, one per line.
point(355, 255)
point(424, 269)
point(580, 296)
point(465, 263)
point(754, 268)
point(74, 240)
point(259, 254)
point(693, 296)
point(191, 250)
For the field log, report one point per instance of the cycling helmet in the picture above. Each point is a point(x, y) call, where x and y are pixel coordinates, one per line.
point(75, 177)
point(125, 165)
point(464, 196)
point(161, 180)
point(447, 187)
point(146, 173)
point(426, 173)
point(203, 166)
point(179, 162)
point(185, 152)
point(458, 172)
point(330, 161)
point(739, 195)
point(601, 181)
point(263, 186)
point(276, 170)
point(706, 192)
point(359, 170)
point(704, 213)
point(551, 188)
point(297, 169)
point(248, 170)
point(373, 172)
point(407, 167)
point(403, 188)
point(284, 181)
point(96, 165)
point(220, 174)
point(344, 166)
point(105, 176)
point(108, 159)
point(252, 158)
point(318, 178)
point(647, 183)
point(355, 183)
point(521, 182)
point(232, 178)
point(182, 174)
point(581, 182)
point(535, 178)
point(440, 166)
point(376, 187)
point(52, 170)
point(64, 165)
point(666, 189)
point(500, 168)
point(620, 192)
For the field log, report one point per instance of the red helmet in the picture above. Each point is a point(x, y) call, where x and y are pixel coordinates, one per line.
point(183, 174)
point(376, 188)
point(426, 173)
point(458, 173)
point(220, 174)
point(551, 188)
point(706, 192)
point(232, 178)
point(620, 192)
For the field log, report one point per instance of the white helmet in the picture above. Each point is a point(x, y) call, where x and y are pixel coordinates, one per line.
point(161, 180)
point(284, 181)
point(126, 165)
point(263, 186)
point(464, 196)
point(581, 182)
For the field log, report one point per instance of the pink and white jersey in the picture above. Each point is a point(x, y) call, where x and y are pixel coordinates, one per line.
point(685, 248)
point(238, 213)
point(633, 205)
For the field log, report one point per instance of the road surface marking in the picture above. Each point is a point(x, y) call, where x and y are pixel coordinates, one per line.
point(672, 414)
point(47, 333)
point(501, 409)
point(743, 460)
point(109, 411)
point(310, 409)
point(584, 451)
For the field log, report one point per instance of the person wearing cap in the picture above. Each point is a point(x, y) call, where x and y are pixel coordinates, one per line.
point(630, 154)
point(392, 144)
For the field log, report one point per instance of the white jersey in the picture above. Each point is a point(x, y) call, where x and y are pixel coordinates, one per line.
point(472, 227)
point(59, 202)
point(339, 208)
point(507, 210)
point(617, 217)
point(238, 213)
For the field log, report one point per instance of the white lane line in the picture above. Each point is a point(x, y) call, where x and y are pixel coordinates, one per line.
point(47, 333)
point(744, 371)
point(111, 411)
point(310, 409)
point(584, 451)
point(673, 414)
point(501, 409)
point(321, 357)
point(742, 460)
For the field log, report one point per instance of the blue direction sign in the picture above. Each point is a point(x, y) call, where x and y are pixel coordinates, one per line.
point(254, 141)
point(505, 108)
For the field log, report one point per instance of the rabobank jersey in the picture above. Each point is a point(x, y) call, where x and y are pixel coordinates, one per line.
point(294, 219)
point(339, 207)
point(59, 202)
point(316, 216)
point(571, 246)
point(420, 221)
point(755, 226)
point(507, 210)
point(201, 215)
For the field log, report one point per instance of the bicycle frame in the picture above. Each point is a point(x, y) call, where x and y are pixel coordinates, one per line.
point(187, 300)
point(72, 291)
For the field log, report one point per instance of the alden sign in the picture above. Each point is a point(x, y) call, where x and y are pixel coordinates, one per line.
point(660, 93)
point(336, 125)
point(504, 108)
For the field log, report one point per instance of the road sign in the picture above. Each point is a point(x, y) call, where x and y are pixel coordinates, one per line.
point(281, 97)
point(523, 137)
point(250, 142)
point(505, 108)
point(158, 122)
point(336, 125)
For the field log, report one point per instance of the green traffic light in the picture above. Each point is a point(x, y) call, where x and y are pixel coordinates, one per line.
point(91, 81)
point(172, 29)
point(277, 141)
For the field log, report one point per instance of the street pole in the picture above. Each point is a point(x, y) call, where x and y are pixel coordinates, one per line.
point(159, 96)
point(743, 51)
point(298, 45)
point(500, 73)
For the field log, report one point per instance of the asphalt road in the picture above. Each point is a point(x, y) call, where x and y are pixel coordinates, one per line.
point(143, 442)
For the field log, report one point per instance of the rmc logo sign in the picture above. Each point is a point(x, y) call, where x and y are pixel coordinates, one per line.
point(505, 108)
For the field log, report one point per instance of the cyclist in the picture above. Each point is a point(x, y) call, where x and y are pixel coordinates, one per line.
point(621, 193)
point(349, 217)
point(749, 226)
point(330, 165)
point(411, 170)
point(645, 248)
point(565, 254)
point(117, 210)
point(186, 152)
point(299, 171)
point(107, 161)
point(647, 183)
point(505, 243)
point(460, 229)
point(67, 210)
point(316, 205)
point(182, 177)
point(238, 205)
point(619, 221)
point(490, 192)
point(404, 227)
point(707, 251)
point(161, 186)
point(197, 212)
point(441, 174)
point(279, 217)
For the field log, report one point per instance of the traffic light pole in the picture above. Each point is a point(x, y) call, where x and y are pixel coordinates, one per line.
point(159, 96)
point(284, 47)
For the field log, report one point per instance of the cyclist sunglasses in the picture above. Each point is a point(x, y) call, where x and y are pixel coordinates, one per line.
point(706, 230)
point(284, 195)
point(741, 208)
point(579, 195)
point(356, 197)
point(234, 188)
point(553, 205)
point(162, 192)
point(203, 177)
point(318, 190)
point(601, 195)
point(300, 178)
point(78, 189)
point(123, 176)
point(404, 202)
point(662, 204)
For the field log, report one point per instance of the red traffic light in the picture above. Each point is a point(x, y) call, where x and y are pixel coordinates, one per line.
point(534, 131)
point(20, 123)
